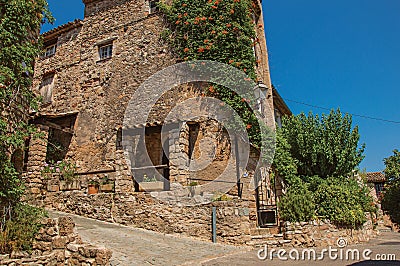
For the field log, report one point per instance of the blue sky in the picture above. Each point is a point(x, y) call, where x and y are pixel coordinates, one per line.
point(332, 54)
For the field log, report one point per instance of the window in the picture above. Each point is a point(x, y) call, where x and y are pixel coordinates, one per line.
point(105, 51)
point(153, 6)
point(50, 50)
point(379, 187)
point(278, 118)
point(57, 145)
point(46, 88)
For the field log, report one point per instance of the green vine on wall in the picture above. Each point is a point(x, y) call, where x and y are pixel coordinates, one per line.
point(221, 31)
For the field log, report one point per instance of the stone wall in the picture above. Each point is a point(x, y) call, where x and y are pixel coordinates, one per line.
point(236, 220)
point(316, 233)
point(99, 90)
point(143, 211)
point(58, 244)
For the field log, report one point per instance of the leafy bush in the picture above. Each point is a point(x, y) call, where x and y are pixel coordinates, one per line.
point(343, 201)
point(391, 197)
point(297, 204)
point(20, 231)
point(391, 202)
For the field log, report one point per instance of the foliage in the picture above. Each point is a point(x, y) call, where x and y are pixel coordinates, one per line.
point(149, 179)
point(94, 182)
point(343, 200)
point(20, 22)
point(19, 46)
point(297, 204)
point(316, 157)
point(326, 146)
point(55, 150)
point(221, 31)
point(391, 195)
point(392, 167)
point(221, 197)
point(283, 163)
point(11, 189)
point(66, 170)
point(391, 202)
point(19, 232)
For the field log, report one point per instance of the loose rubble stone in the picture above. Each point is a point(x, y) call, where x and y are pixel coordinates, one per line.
point(58, 250)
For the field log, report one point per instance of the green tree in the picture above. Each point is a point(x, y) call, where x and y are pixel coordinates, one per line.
point(316, 157)
point(392, 167)
point(325, 146)
point(391, 196)
point(20, 22)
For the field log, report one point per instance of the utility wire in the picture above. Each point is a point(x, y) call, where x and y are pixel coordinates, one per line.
point(362, 116)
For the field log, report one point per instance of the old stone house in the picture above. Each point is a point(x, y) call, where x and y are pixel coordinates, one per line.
point(87, 75)
point(377, 183)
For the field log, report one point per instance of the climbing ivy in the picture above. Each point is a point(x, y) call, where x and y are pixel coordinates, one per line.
point(20, 22)
point(221, 31)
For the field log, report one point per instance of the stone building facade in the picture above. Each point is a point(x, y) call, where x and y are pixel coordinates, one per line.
point(88, 74)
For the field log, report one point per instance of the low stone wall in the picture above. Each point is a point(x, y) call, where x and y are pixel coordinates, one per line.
point(312, 234)
point(58, 244)
point(236, 220)
point(143, 211)
point(323, 233)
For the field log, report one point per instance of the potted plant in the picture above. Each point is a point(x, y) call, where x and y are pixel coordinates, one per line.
point(68, 177)
point(93, 187)
point(62, 174)
point(192, 188)
point(106, 185)
point(150, 184)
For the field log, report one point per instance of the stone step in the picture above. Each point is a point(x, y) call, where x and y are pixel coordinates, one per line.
point(383, 229)
point(268, 236)
point(264, 231)
point(269, 243)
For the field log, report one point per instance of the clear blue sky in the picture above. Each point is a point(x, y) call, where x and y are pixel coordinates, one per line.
point(330, 54)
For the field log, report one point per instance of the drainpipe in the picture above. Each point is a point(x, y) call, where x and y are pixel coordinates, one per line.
point(214, 224)
point(237, 168)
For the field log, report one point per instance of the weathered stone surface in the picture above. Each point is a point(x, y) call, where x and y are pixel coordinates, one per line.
point(55, 249)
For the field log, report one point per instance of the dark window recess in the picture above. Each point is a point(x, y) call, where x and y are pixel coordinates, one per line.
point(119, 140)
point(26, 154)
point(153, 6)
point(105, 51)
point(193, 135)
point(267, 217)
point(17, 160)
point(153, 164)
point(57, 146)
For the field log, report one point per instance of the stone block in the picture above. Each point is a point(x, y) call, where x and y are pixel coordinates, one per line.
point(66, 225)
point(59, 242)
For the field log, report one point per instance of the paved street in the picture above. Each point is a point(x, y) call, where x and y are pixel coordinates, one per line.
point(386, 244)
point(133, 246)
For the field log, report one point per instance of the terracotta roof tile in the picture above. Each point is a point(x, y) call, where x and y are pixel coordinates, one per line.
point(374, 177)
point(64, 27)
